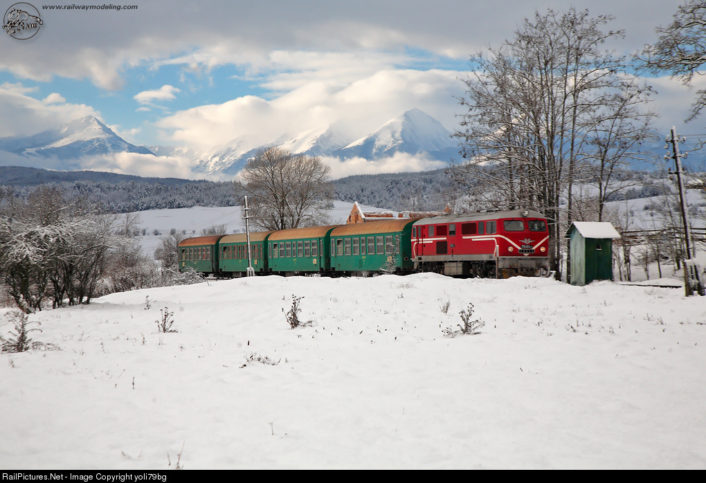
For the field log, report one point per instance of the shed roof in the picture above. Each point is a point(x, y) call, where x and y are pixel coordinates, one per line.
point(298, 233)
point(200, 240)
point(242, 237)
point(381, 226)
point(594, 229)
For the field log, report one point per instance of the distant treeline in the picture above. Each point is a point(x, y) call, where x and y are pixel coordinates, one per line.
point(116, 193)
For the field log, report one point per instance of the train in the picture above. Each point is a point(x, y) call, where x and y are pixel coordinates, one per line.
point(497, 244)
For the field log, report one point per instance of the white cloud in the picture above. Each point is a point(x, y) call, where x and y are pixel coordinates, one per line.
point(398, 163)
point(140, 164)
point(165, 93)
point(24, 115)
point(357, 108)
point(673, 103)
point(100, 46)
point(54, 98)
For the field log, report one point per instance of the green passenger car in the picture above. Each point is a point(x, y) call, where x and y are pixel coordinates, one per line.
point(299, 250)
point(199, 253)
point(233, 253)
point(372, 247)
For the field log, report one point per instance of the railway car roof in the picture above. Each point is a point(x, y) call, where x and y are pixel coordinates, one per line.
point(369, 227)
point(242, 237)
point(298, 233)
point(490, 215)
point(200, 240)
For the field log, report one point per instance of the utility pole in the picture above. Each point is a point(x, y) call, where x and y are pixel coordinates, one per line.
point(250, 272)
point(692, 279)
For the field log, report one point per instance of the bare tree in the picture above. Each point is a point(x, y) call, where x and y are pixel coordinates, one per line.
point(616, 132)
point(681, 48)
point(285, 190)
point(535, 106)
point(168, 252)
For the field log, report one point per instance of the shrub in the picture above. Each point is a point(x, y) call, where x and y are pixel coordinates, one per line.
point(164, 325)
point(19, 340)
point(467, 326)
point(292, 315)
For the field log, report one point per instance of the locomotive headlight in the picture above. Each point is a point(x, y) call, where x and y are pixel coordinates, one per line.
point(510, 249)
point(543, 249)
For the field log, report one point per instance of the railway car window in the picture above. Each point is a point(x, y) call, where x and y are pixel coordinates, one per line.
point(339, 247)
point(537, 225)
point(481, 225)
point(315, 248)
point(281, 250)
point(300, 249)
point(397, 244)
point(468, 229)
point(289, 249)
point(362, 245)
point(491, 227)
point(275, 250)
point(414, 231)
point(442, 230)
point(307, 249)
point(348, 246)
point(379, 243)
point(513, 225)
point(356, 246)
point(371, 245)
point(389, 248)
point(452, 229)
point(431, 230)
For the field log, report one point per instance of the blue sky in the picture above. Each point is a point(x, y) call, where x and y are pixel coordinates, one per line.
point(200, 74)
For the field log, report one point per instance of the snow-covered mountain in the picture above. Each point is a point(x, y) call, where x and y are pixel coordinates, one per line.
point(87, 136)
point(414, 133)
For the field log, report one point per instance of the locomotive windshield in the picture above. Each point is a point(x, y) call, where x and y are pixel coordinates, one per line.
point(537, 225)
point(513, 225)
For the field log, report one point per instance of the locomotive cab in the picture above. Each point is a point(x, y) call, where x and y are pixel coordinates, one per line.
point(499, 244)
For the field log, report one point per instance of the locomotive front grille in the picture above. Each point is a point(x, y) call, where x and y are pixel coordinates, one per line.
point(526, 249)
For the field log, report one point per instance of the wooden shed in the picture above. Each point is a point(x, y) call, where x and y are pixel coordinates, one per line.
point(591, 251)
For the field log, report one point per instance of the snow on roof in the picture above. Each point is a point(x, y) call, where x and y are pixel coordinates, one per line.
point(595, 229)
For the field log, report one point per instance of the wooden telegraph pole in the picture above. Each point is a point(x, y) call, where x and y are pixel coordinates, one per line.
point(250, 272)
point(692, 277)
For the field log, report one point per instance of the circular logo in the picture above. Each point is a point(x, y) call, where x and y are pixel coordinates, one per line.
point(22, 21)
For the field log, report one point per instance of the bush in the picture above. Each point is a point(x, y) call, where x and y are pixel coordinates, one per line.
point(292, 315)
point(19, 340)
point(164, 325)
point(467, 325)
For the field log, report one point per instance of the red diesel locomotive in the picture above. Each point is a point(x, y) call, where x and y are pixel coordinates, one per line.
point(499, 244)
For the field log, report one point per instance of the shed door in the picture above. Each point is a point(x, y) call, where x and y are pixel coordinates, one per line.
point(599, 263)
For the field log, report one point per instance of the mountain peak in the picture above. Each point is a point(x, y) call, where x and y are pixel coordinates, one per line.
point(413, 132)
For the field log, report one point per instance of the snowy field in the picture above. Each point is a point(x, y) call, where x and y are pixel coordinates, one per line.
point(605, 376)
point(190, 221)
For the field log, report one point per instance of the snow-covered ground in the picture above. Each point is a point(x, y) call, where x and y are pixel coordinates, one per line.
point(603, 376)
